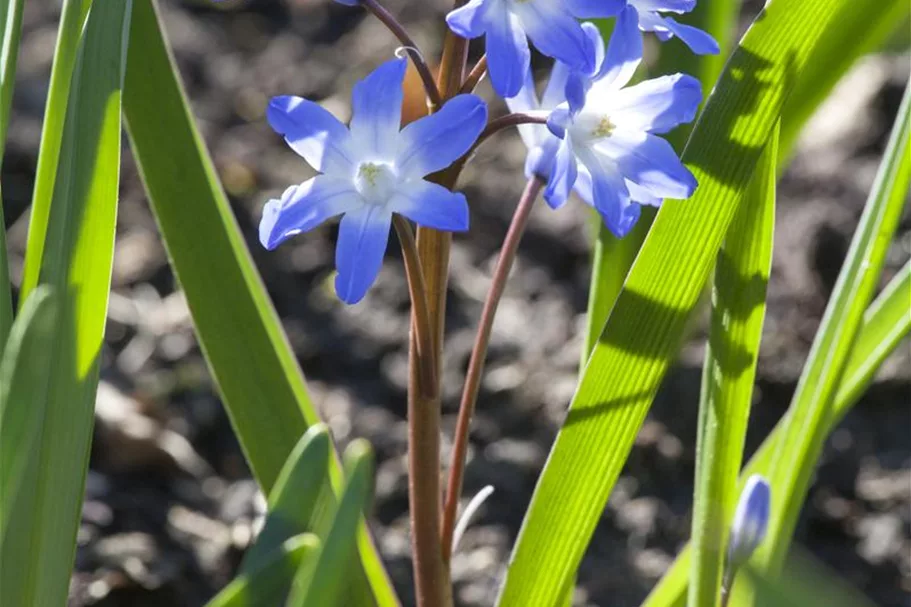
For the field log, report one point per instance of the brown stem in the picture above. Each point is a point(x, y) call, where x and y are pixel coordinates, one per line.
point(420, 320)
point(475, 75)
point(430, 87)
point(431, 578)
point(478, 354)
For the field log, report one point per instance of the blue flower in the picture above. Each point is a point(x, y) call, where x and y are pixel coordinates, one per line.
point(645, 15)
point(369, 171)
point(549, 24)
point(610, 153)
point(751, 520)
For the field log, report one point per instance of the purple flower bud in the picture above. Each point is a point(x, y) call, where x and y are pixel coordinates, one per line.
point(751, 519)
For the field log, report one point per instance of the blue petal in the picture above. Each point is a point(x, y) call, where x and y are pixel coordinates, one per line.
point(650, 162)
point(594, 35)
point(594, 9)
point(436, 141)
point(699, 41)
point(558, 120)
point(555, 91)
point(563, 177)
point(576, 88)
point(556, 33)
point(540, 159)
point(377, 110)
point(312, 132)
point(304, 207)
point(583, 187)
point(431, 205)
point(624, 51)
point(610, 195)
point(527, 98)
point(508, 55)
point(658, 105)
point(362, 238)
point(673, 6)
point(469, 21)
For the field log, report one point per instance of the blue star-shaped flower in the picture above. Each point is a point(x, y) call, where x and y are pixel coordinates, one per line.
point(369, 171)
point(609, 153)
point(550, 24)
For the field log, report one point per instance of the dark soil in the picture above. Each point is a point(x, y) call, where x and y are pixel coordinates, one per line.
point(170, 504)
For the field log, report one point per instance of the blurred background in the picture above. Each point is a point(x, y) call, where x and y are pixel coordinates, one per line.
point(170, 504)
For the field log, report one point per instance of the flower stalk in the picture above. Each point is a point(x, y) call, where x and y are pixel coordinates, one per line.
point(478, 355)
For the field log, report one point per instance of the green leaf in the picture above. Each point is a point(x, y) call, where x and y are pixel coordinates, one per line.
point(268, 583)
point(257, 374)
point(857, 29)
point(323, 581)
point(23, 394)
point(10, 31)
point(886, 323)
point(72, 20)
point(295, 496)
point(37, 552)
point(646, 326)
point(806, 420)
point(738, 311)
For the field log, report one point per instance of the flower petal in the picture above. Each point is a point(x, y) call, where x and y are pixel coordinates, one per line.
point(470, 20)
point(672, 6)
point(508, 55)
point(610, 196)
point(540, 159)
point(555, 91)
point(312, 132)
point(657, 105)
point(377, 110)
point(624, 52)
point(431, 205)
point(594, 9)
point(362, 238)
point(650, 162)
point(436, 141)
point(699, 41)
point(556, 33)
point(304, 207)
point(526, 101)
point(563, 177)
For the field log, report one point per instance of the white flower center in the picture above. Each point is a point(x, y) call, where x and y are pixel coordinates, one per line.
point(589, 127)
point(375, 181)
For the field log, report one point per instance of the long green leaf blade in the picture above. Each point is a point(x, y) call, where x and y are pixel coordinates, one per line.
point(738, 311)
point(268, 583)
point(23, 395)
point(295, 496)
point(37, 551)
point(72, 20)
point(257, 374)
point(806, 420)
point(323, 581)
point(647, 323)
point(886, 323)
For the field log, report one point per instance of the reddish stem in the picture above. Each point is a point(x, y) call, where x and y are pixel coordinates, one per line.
point(478, 354)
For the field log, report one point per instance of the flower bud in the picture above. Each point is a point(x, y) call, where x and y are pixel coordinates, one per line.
point(751, 519)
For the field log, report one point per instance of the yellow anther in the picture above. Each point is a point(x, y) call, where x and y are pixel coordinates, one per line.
point(604, 128)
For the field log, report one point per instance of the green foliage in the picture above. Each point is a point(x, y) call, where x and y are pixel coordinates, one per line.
point(647, 323)
point(72, 21)
point(37, 551)
point(22, 383)
point(324, 579)
point(269, 581)
point(805, 427)
point(295, 496)
point(738, 309)
point(885, 324)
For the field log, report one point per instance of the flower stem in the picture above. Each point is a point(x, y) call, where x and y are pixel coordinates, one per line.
point(431, 578)
point(420, 321)
point(475, 75)
point(430, 87)
point(478, 354)
point(504, 122)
